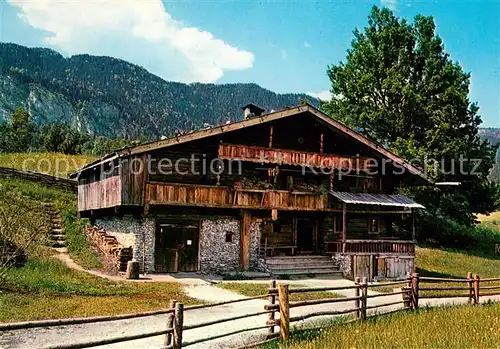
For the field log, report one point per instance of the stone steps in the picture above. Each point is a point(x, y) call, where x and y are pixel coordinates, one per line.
point(57, 235)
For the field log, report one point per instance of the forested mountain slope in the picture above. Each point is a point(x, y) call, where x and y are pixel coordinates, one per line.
point(111, 97)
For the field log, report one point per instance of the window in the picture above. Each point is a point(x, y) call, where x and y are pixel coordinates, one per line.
point(373, 227)
point(229, 236)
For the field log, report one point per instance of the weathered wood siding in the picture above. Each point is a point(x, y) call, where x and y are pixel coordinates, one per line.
point(98, 191)
point(219, 196)
point(134, 174)
point(188, 195)
point(390, 267)
point(290, 157)
point(280, 232)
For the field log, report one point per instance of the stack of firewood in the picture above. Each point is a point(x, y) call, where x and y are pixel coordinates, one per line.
point(110, 247)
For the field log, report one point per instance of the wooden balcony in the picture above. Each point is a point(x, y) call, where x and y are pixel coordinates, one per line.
point(219, 196)
point(382, 247)
point(291, 157)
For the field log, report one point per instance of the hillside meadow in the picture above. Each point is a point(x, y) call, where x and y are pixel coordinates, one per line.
point(44, 287)
point(54, 164)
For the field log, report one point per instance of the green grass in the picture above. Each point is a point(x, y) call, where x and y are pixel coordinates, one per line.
point(31, 194)
point(447, 327)
point(46, 288)
point(252, 289)
point(79, 247)
point(492, 220)
point(49, 163)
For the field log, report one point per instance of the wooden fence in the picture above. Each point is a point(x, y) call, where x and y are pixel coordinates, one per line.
point(48, 180)
point(412, 290)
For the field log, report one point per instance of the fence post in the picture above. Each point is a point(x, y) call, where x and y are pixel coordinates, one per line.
point(178, 324)
point(272, 301)
point(407, 289)
point(356, 294)
point(476, 289)
point(414, 290)
point(284, 311)
point(471, 287)
point(170, 323)
point(364, 293)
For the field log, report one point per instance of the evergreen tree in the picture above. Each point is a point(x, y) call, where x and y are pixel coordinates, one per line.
point(399, 87)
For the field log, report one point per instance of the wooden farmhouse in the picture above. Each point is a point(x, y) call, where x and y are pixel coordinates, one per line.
point(287, 192)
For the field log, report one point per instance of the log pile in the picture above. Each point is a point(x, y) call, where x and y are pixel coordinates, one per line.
point(110, 247)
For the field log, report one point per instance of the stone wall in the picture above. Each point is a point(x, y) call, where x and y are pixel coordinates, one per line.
point(217, 255)
point(344, 263)
point(255, 234)
point(136, 233)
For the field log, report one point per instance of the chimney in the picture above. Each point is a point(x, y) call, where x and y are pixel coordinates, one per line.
point(251, 110)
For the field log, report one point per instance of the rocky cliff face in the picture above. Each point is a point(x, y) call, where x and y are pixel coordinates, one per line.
point(111, 97)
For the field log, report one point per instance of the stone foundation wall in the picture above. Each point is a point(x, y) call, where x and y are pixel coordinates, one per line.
point(255, 234)
point(344, 263)
point(136, 233)
point(217, 255)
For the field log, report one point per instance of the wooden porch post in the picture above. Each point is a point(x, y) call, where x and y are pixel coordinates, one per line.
point(271, 129)
point(245, 240)
point(344, 226)
point(413, 234)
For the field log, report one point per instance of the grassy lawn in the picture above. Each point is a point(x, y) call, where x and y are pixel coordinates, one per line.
point(46, 288)
point(48, 163)
point(26, 204)
point(251, 289)
point(451, 327)
point(492, 220)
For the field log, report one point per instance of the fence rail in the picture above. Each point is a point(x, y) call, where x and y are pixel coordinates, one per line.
point(48, 180)
point(413, 288)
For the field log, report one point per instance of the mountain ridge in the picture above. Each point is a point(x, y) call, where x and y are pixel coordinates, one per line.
point(111, 97)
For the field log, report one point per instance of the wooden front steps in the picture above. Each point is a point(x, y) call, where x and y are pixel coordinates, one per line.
point(302, 266)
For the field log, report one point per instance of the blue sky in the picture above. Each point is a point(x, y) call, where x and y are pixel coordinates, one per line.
point(284, 46)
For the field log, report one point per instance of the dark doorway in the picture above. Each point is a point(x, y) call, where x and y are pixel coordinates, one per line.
point(176, 246)
point(306, 235)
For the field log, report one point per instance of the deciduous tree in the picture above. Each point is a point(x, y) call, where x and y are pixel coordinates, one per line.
point(400, 87)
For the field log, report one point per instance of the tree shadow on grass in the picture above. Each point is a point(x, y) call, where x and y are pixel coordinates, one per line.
point(435, 274)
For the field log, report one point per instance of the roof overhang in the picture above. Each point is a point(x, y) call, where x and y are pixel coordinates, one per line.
point(396, 200)
point(326, 119)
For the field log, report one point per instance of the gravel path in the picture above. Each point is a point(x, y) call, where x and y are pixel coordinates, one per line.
point(40, 338)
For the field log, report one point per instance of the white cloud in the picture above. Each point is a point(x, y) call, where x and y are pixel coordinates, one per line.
point(323, 95)
point(140, 31)
point(391, 4)
point(307, 45)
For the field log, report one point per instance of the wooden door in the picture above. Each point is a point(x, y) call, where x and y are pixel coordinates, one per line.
point(176, 247)
point(306, 236)
point(188, 250)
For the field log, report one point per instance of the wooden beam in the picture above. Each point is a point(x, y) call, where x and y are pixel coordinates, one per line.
point(245, 240)
point(271, 130)
point(344, 226)
point(413, 233)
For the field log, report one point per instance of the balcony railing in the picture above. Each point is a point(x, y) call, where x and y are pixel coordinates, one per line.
point(220, 196)
point(371, 247)
point(291, 157)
